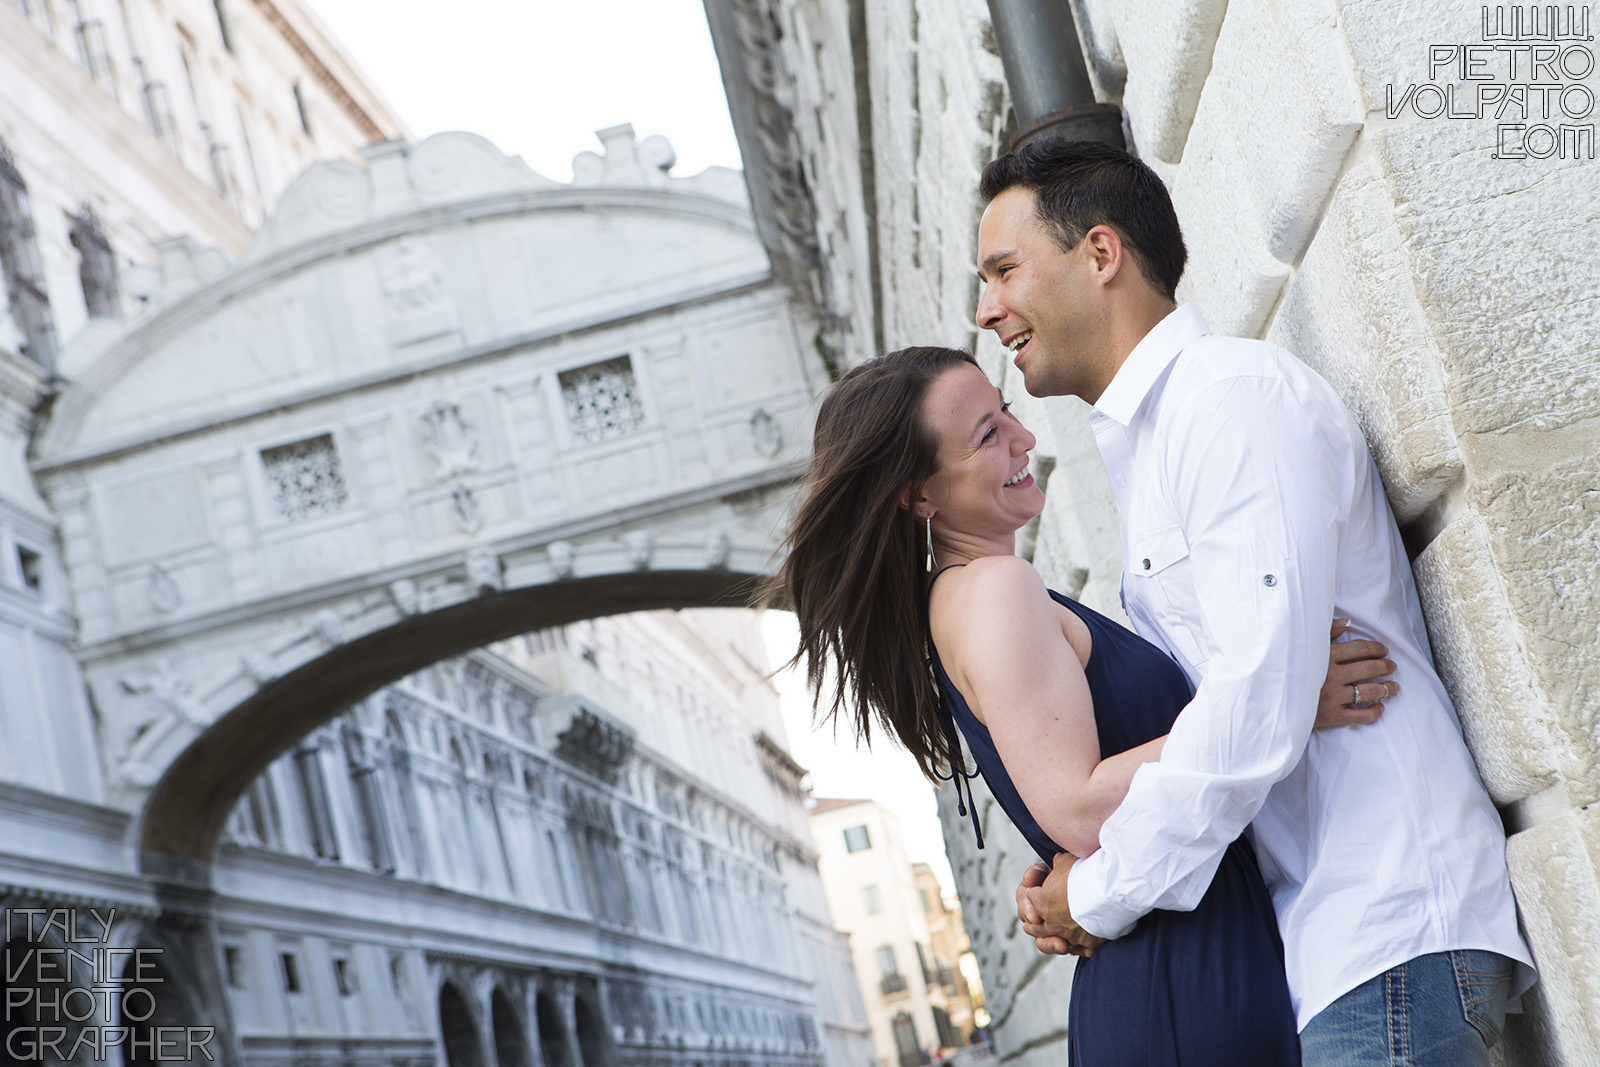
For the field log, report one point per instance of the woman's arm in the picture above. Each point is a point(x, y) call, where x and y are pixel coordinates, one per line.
point(1000, 636)
point(1003, 645)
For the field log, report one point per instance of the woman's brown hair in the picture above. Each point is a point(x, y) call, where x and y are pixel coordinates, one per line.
point(855, 572)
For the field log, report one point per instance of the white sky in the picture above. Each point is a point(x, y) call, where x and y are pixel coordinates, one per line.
point(538, 77)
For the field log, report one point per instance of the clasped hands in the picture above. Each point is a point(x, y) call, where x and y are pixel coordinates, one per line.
point(1043, 911)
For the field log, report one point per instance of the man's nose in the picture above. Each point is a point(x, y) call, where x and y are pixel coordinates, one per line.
point(989, 311)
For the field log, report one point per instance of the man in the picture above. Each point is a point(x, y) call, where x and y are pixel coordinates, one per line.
point(1252, 513)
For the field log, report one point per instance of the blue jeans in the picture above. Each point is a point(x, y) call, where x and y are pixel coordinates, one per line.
point(1443, 1009)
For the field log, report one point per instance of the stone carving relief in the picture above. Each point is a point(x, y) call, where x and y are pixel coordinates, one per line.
point(172, 710)
point(329, 626)
point(718, 547)
point(451, 441)
point(165, 596)
point(765, 434)
point(485, 572)
point(404, 594)
point(641, 546)
point(464, 509)
point(561, 555)
point(412, 278)
point(259, 667)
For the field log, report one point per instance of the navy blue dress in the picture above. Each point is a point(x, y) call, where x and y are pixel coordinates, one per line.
point(1186, 988)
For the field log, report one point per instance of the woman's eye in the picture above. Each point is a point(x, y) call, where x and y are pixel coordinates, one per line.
point(990, 434)
point(1005, 407)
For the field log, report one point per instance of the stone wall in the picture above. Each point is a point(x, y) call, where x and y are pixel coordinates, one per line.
point(1440, 283)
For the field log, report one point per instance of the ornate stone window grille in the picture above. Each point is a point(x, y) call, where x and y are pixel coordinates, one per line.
point(97, 265)
point(305, 478)
point(602, 400)
point(23, 269)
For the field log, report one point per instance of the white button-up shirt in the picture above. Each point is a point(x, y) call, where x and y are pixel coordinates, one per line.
point(1252, 515)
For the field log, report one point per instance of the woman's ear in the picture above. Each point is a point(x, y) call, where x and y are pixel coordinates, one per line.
point(921, 507)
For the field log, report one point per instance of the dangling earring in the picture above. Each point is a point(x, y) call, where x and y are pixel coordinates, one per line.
point(929, 564)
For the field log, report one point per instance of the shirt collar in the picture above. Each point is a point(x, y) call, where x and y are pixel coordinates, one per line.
point(1150, 357)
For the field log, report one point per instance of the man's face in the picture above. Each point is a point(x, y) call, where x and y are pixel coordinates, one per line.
point(1038, 298)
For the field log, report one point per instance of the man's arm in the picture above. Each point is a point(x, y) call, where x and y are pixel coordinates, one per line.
point(1254, 472)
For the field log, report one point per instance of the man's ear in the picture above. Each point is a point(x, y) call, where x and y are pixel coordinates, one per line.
point(1104, 247)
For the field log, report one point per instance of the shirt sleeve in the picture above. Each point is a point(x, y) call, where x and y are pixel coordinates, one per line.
point(1254, 467)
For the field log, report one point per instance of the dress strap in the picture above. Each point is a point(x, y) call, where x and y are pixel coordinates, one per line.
point(947, 721)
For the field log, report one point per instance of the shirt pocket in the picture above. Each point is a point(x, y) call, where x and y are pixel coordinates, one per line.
point(1161, 585)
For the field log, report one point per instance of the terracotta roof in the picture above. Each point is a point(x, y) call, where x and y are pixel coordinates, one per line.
point(825, 804)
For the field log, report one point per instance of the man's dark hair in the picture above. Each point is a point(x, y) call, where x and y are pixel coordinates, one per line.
point(1082, 184)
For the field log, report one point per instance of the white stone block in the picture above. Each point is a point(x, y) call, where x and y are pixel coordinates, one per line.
point(1168, 46)
point(1230, 275)
point(1350, 312)
point(1509, 726)
point(1260, 162)
point(1502, 252)
point(1544, 526)
point(1258, 151)
point(1102, 52)
point(1553, 870)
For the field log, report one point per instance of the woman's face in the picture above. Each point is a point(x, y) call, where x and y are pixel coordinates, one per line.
point(982, 492)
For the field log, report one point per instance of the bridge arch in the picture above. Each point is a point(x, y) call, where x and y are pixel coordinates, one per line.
point(441, 401)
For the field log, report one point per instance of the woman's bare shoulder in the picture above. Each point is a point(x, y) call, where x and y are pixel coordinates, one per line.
point(988, 591)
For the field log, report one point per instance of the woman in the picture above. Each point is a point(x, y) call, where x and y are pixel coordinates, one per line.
point(902, 573)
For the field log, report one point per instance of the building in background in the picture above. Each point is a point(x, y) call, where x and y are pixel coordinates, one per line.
point(907, 943)
point(1439, 278)
point(584, 846)
point(580, 846)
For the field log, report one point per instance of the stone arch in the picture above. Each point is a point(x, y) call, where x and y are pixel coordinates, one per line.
point(590, 1031)
point(552, 1031)
point(510, 1036)
point(458, 1030)
point(188, 808)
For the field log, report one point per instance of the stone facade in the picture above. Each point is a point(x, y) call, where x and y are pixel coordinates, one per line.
point(1438, 271)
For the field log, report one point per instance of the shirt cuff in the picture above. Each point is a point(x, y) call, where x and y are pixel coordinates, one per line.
point(1092, 906)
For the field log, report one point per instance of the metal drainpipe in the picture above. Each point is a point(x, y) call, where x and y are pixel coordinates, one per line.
point(1050, 89)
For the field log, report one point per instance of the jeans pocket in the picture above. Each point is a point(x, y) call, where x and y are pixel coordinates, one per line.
point(1483, 979)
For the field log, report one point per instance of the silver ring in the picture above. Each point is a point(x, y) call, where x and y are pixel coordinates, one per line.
point(1355, 689)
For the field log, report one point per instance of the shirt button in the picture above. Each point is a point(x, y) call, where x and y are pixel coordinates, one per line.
point(1146, 564)
point(1270, 580)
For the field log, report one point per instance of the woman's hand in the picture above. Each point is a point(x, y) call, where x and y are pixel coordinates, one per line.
point(1352, 694)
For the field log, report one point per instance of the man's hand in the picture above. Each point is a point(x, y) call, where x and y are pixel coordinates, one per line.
point(1045, 916)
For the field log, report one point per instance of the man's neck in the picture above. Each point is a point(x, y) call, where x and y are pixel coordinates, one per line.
point(1128, 326)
